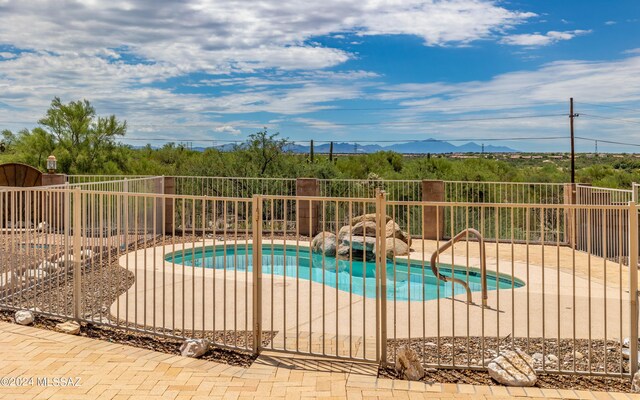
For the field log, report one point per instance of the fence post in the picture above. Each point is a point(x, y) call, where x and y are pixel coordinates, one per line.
point(569, 197)
point(633, 287)
point(432, 216)
point(257, 273)
point(77, 254)
point(308, 211)
point(169, 187)
point(381, 258)
point(159, 205)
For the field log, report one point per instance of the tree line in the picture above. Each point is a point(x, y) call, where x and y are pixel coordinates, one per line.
point(86, 143)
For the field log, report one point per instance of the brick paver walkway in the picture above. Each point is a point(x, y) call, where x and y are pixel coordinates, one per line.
point(113, 371)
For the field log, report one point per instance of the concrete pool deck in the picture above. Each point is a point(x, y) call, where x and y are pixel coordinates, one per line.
point(306, 316)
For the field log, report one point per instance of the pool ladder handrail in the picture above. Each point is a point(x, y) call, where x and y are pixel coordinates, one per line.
point(483, 263)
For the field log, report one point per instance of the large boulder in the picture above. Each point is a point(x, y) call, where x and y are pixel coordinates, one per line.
point(24, 317)
point(194, 347)
point(513, 368)
point(364, 243)
point(344, 232)
point(366, 217)
point(393, 230)
point(408, 364)
point(364, 228)
point(394, 247)
point(324, 243)
point(343, 250)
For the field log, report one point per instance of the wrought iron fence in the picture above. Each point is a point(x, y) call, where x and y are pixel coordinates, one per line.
point(361, 289)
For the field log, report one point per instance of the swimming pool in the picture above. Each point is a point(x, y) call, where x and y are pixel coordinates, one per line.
point(413, 281)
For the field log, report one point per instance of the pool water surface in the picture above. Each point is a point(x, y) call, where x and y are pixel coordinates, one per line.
point(414, 281)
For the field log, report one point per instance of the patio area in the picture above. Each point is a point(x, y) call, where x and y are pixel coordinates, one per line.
point(109, 371)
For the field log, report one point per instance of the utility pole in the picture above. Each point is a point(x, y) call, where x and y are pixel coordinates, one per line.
point(331, 151)
point(573, 148)
point(596, 147)
point(311, 151)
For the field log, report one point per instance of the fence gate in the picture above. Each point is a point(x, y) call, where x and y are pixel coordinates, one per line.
point(304, 301)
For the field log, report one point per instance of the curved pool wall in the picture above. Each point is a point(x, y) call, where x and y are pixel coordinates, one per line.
point(414, 281)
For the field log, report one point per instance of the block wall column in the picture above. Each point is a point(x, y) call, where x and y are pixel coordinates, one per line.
point(308, 211)
point(433, 217)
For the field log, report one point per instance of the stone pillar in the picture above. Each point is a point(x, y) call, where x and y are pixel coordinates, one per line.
point(169, 187)
point(308, 212)
point(433, 217)
point(569, 197)
point(53, 179)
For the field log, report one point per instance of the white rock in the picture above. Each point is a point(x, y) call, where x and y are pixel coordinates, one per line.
point(47, 266)
point(626, 353)
point(43, 226)
point(578, 355)
point(538, 357)
point(513, 368)
point(552, 358)
point(635, 383)
point(70, 327)
point(6, 279)
point(626, 342)
point(35, 274)
point(35, 309)
point(194, 347)
point(24, 317)
point(408, 364)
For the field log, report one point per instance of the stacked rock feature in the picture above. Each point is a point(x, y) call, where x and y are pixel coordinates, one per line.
point(358, 240)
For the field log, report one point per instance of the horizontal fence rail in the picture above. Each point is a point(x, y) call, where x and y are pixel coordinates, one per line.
point(233, 187)
point(75, 179)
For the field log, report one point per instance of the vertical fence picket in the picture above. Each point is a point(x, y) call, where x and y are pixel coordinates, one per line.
point(633, 287)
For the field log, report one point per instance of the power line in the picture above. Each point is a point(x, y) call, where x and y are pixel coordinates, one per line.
point(612, 118)
point(608, 141)
point(608, 106)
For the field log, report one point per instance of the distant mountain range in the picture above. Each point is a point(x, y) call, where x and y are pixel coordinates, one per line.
point(432, 146)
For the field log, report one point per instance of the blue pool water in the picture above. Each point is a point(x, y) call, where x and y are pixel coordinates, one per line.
point(412, 281)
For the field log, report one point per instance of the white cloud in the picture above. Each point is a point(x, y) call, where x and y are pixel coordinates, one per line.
point(221, 36)
point(539, 92)
point(227, 129)
point(542, 39)
point(590, 81)
point(610, 22)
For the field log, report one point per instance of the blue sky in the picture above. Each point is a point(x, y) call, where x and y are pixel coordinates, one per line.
point(207, 72)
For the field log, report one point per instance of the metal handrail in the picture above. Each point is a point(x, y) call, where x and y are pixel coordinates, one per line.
point(483, 263)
